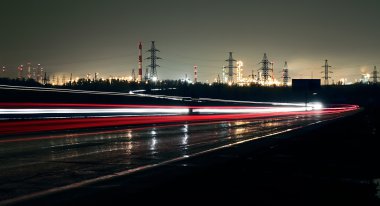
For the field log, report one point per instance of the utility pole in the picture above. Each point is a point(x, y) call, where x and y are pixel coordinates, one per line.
point(326, 72)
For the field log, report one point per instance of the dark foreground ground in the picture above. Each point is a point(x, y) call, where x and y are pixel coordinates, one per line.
point(331, 164)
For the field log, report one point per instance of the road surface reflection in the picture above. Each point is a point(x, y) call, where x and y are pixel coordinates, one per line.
point(35, 163)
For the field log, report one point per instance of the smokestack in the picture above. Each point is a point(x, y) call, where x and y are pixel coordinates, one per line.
point(140, 62)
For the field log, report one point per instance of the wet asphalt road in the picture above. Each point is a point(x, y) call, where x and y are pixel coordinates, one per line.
point(36, 163)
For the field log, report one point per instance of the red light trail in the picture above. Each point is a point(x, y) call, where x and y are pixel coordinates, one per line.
point(220, 113)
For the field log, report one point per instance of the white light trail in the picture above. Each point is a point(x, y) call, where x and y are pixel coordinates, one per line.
point(255, 111)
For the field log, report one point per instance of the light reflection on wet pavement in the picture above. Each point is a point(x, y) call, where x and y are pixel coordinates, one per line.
point(34, 165)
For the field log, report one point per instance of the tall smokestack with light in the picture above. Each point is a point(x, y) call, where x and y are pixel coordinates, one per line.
point(140, 62)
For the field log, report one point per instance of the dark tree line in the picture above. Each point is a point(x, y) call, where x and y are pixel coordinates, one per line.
point(363, 94)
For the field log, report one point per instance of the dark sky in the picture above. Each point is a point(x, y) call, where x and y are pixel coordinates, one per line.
point(81, 36)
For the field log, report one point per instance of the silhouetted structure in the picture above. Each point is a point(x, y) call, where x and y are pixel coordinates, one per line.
point(45, 79)
point(265, 69)
point(326, 72)
point(374, 75)
point(231, 68)
point(133, 75)
point(285, 75)
point(153, 62)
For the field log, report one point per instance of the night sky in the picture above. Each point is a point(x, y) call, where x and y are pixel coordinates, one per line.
point(101, 36)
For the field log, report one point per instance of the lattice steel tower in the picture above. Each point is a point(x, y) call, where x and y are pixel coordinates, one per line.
point(326, 77)
point(285, 75)
point(374, 75)
point(231, 68)
point(153, 62)
point(133, 75)
point(266, 70)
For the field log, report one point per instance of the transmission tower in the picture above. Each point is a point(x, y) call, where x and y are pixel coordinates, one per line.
point(231, 68)
point(153, 62)
point(133, 75)
point(285, 75)
point(326, 72)
point(265, 68)
point(218, 79)
point(374, 75)
point(45, 79)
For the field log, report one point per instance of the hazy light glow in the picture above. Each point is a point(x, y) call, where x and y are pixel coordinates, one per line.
point(316, 105)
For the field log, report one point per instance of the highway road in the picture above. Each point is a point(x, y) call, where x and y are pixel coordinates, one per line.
point(43, 163)
point(51, 147)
